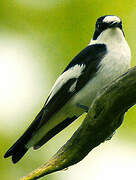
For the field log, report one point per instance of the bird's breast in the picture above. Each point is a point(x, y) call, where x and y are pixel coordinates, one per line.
point(115, 63)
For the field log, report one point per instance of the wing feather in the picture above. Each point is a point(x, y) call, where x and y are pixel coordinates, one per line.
point(81, 69)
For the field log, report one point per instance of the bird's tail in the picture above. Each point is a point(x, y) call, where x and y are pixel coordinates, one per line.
point(17, 151)
point(19, 148)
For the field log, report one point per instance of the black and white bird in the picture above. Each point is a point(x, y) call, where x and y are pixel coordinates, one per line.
point(105, 58)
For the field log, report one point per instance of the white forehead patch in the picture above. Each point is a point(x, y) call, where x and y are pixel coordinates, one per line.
point(109, 19)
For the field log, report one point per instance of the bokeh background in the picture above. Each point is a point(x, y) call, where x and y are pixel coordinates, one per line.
point(37, 40)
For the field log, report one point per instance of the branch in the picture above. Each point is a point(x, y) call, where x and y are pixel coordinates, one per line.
point(104, 117)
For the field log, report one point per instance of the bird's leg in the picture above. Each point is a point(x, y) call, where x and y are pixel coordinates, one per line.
point(83, 107)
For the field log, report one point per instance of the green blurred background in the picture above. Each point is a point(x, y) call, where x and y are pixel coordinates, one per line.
point(38, 38)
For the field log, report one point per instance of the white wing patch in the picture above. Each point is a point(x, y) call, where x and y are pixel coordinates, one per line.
point(109, 19)
point(73, 72)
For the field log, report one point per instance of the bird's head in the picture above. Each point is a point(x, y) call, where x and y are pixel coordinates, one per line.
point(106, 22)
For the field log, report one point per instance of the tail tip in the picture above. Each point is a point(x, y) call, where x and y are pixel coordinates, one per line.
point(17, 153)
point(7, 154)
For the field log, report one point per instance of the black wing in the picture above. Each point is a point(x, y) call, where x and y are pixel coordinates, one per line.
point(90, 57)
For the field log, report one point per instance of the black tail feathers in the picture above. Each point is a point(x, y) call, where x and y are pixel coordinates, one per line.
point(17, 151)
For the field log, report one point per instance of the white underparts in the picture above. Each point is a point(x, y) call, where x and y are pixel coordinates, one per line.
point(114, 63)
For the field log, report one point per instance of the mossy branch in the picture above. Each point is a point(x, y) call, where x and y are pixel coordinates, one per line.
point(104, 117)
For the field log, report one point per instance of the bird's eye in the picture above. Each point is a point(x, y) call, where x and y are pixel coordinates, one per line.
point(98, 25)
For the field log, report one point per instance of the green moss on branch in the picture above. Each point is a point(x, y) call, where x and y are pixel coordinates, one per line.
point(104, 117)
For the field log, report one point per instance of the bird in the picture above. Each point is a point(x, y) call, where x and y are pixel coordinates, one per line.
point(106, 57)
